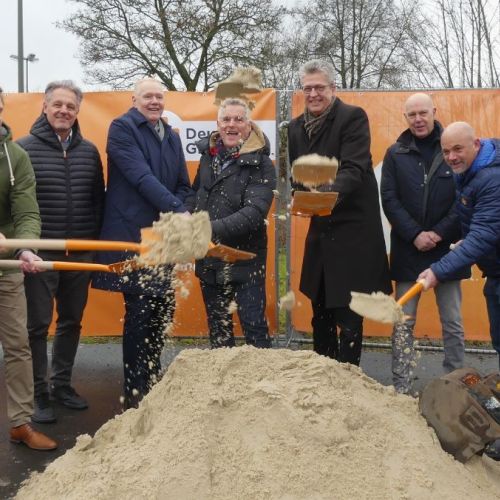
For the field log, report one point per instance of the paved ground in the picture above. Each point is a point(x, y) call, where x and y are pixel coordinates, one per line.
point(98, 377)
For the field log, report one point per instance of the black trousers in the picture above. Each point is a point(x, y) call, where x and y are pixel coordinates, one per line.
point(337, 331)
point(70, 291)
point(146, 319)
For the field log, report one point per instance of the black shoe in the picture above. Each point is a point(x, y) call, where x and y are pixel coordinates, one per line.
point(43, 412)
point(67, 396)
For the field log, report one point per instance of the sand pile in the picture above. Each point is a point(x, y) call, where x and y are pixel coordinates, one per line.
point(263, 424)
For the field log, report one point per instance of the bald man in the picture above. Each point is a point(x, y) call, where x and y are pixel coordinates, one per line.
point(476, 167)
point(418, 195)
point(147, 175)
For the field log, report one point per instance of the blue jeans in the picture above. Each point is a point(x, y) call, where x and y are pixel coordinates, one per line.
point(449, 301)
point(251, 302)
point(492, 294)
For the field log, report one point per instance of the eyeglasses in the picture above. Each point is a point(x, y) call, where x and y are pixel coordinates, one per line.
point(318, 88)
point(226, 120)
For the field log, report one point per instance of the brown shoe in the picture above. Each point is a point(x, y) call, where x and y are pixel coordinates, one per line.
point(31, 438)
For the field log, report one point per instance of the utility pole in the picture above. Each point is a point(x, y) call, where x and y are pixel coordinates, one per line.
point(20, 47)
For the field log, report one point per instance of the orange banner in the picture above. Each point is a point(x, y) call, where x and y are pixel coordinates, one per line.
point(385, 111)
point(193, 115)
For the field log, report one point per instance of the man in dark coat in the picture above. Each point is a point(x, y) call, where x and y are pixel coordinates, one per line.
point(70, 193)
point(147, 175)
point(344, 251)
point(476, 165)
point(418, 197)
point(234, 184)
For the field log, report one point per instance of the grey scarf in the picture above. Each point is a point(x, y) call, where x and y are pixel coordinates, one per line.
point(314, 123)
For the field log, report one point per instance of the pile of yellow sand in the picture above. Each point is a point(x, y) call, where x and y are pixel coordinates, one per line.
point(244, 423)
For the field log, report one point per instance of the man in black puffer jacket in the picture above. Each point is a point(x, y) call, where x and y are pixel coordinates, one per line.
point(234, 184)
point(70, 193)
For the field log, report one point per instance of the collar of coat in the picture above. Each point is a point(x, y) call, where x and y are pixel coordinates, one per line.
point(256, 141)
point(406, 140)
point(44, 131)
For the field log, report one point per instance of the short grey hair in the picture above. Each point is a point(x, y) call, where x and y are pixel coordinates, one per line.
point(233, 101)
point(318, 66)
point(64, 84)
point(139, 83)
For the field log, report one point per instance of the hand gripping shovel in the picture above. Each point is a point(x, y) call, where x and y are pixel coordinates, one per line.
point(383, 308)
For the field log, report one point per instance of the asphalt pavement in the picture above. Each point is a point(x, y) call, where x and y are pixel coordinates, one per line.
point(98, 377)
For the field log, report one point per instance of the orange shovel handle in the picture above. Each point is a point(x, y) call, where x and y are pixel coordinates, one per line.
point(80, 266)
point(414, 290)
point(77, 245)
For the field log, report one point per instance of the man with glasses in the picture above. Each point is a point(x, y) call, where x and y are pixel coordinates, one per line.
point(235, 183)
point(344, 251)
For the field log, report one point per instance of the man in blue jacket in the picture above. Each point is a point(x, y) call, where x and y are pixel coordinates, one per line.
point(476, 165)
point(147, 175)
point(418, 198)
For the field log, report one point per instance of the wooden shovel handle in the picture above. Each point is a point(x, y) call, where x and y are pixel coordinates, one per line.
point(414, 290)
point(70, 245)
point(47, 265)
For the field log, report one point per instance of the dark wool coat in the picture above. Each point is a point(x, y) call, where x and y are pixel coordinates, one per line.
point(237, 201)
point(478, 205)
point(146, 176)
point(69, 184)
point(347, 248)
point(414, 201)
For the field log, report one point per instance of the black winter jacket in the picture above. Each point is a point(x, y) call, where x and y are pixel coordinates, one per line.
point(237, 201)
point(69, 185)
point(414, 201)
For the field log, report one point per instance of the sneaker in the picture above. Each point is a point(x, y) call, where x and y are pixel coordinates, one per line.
point(43, 412)
point(67, 396)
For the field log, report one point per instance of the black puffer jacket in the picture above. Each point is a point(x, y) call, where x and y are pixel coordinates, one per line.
point(237, 201)
point(414, 201)
point(69, 185)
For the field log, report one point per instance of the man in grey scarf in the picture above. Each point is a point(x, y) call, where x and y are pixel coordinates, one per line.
point(344, 250)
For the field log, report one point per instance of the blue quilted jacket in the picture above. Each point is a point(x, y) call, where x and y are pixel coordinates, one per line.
point(478, 205)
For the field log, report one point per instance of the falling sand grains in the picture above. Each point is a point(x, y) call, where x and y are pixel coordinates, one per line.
point(287, 302)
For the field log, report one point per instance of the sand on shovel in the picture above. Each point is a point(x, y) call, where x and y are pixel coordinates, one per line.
point(248, 423)
point(177, 239)
point(314, 170)
point(377, 306)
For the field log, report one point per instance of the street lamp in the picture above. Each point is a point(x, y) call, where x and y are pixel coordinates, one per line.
point(29, 58)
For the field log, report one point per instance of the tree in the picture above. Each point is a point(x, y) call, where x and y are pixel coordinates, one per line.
point(459, 44)
point(188, 44)
point(364, 39)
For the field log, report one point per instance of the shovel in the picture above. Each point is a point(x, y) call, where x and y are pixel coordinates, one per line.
point(307, 203)
point(148, 238)
point(46, 265)
point(383, 308)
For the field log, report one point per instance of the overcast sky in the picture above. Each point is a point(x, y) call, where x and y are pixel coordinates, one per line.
point(55, 48)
